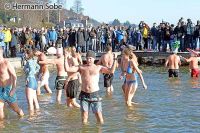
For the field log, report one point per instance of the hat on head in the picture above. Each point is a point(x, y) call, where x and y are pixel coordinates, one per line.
point(176, 46)
point(91, 54)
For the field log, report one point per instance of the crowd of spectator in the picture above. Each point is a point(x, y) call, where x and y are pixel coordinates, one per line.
point(158, 38)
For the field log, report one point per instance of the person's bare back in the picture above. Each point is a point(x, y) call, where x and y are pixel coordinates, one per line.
point(107, 60)
point(43, 67)
point(60, 66)
point(173, 61)
point(193, 62)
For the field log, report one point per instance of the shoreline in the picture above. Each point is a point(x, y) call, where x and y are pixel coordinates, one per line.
point(144, 58)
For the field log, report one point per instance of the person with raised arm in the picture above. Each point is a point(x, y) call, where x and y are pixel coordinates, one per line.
point(89, 95)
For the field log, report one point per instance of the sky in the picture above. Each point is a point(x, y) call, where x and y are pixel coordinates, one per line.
point(134, 11)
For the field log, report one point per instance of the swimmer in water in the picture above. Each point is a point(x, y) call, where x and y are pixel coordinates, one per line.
point(8, 81)
point(131, 72)
point(89, 96)
point(31, 68)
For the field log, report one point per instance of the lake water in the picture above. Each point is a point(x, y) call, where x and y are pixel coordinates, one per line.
point(166, 106)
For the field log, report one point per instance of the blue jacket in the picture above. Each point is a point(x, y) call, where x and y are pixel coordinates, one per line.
point(120, 35)
point(2, 37)
point(52, 35)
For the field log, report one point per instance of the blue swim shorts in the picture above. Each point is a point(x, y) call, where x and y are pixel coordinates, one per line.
point(5, 95)
point(90, 100)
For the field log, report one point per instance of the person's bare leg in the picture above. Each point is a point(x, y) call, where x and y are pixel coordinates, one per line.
point(126, 92)
point(99, 117)
point(132, 92)
point(111, 88)
point(69, 104)
point(123, 88)
point(29, 97)
point(47, 88)
point(58, 96)
point(16, 108)
point(128, 96)
point(1, 110)
point(35, 100)
point(108, 90)
point(39, 88)
point(84, 117)
point(74, 103)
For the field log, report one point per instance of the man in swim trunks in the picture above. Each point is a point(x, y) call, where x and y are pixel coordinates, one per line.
point(173, 62)
point(61, 74)
point(193, 60)
point(43, 73)
point(8, 80)
point(107, 61)
point(72, 84)
point(89, 97)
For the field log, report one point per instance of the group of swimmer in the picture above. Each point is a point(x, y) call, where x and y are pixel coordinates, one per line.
point(72, 74)
point(173, 63)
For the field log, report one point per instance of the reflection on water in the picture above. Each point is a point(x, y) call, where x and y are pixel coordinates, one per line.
point(169, 105)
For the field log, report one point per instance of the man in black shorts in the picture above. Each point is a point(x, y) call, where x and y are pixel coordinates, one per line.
point(107, 61)
point(173, 62)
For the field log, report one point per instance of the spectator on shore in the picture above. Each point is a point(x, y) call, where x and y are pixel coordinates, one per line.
point(72, 38)
point(145, 33)
point(52, 35)
point(2, 37)
point(138, 38)
point(7, 40)
point(93, 38)
point(80, 40)
point(154, 35)
point(197, 36)
point(13, 43)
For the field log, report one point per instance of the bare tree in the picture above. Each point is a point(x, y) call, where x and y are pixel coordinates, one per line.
point(77, 8)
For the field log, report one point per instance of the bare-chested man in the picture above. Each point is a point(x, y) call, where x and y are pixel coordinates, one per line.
point(43, 73)
point(107, 61)
point(61, 74)
point(8, 80)
point(89, 96)
point(193, 60)
point(72, 84)
point(173, 61)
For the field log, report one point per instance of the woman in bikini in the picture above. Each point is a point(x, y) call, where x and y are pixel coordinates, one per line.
point(130, 70)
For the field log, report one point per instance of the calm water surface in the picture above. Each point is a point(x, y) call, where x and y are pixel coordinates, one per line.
point(167, 106)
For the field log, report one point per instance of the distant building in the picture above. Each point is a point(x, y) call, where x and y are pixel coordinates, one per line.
point(75, 24)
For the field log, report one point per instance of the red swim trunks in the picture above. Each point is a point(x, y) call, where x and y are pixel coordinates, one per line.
point(195, 72)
